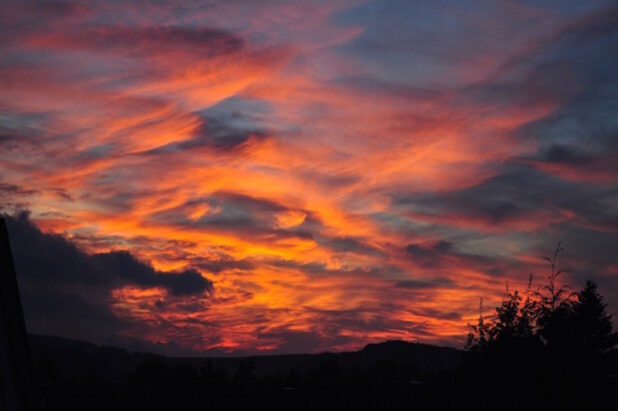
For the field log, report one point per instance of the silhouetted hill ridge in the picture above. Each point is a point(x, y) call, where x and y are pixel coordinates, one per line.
point(74, 358)
point(77, 375)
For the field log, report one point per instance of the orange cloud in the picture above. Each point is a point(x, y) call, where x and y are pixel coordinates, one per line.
point(290, 153)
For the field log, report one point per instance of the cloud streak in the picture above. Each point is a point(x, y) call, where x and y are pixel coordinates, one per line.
point(236, 177)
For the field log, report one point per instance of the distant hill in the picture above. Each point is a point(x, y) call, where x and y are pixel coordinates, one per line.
point(77, 375)
point(79, 359)
point(393, 375)
point(63, 358)
point(422, 358)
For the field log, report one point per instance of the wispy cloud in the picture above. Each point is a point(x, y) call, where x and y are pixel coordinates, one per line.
point(305, 175)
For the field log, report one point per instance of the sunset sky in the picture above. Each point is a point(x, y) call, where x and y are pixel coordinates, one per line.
point(265, 176)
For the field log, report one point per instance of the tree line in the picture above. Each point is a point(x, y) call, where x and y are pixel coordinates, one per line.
point(548, 336)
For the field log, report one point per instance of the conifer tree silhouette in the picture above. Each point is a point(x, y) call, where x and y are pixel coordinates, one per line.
point(592, 324)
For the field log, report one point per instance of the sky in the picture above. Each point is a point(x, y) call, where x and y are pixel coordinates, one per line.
point(227, 177)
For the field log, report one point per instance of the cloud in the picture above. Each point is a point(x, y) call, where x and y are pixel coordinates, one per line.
point(67, 291)
point(349, 244)
point(14, 189)
point(429, 254)
point(218, 135)
point(225, 212)
point(345, 172)
point(224, 263)
point(569, 75)
point(203, 41)
point(124, 265)
point(13, 196)
point(523, 197)
point(425, 283)
point(442, 253)
point(50, 257)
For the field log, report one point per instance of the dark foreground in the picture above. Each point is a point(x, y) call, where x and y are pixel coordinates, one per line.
point(73, 375)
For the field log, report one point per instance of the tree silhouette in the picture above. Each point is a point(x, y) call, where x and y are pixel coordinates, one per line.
point(551, 346)
point(552, 297)
point(554, 308)
point(506, 345)
point(528, 314)
point(592, 324)
point(478, 338)
point(553, 331)
point(513, 325)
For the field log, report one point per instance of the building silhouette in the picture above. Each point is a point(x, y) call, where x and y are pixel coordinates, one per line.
point(16, 372)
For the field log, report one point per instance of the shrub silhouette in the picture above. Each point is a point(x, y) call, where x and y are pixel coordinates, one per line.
point(555, 339)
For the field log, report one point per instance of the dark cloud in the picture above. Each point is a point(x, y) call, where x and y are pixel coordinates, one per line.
point(22, 132)
point(348, 244)
point(224, 263)
point(67, 292)
point(44, 257)
point(233, 210)
point(521, 194)
point(248, 202)
point(434, 313)
point(444, 254)
point(333, 180)
point(19, 20)
point(425, 283)
point(309, 268)
point(564, 154)
point(205, 42)
point(228, 127)
point(13, 196)
point(590, 27)
point(220, 135)
point(583, 163)
point(229, 211)
point(124, 265)
point(429, 254)
point(14, 189)
point(320, 268)
point(573, 70)
point(213, 136)
point(58, 8)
